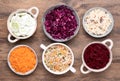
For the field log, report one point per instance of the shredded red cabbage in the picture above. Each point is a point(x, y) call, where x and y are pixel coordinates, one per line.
point(60, 22)
point(96, 56)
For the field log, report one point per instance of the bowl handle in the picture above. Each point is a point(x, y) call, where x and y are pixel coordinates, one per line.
point(110, 41)
point(72, 69)
point(43, 46)
point(36, 11)
point(82, 69)
point(10, 40)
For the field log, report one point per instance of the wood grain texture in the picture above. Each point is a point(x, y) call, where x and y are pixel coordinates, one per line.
point(77, 44)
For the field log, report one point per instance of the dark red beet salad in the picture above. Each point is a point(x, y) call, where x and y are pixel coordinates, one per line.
point(60, 22)
point(96, 56)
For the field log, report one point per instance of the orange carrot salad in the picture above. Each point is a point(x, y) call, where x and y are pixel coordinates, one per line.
point(22, 59)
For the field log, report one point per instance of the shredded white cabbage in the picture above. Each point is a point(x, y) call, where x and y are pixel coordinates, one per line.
point(22, 24)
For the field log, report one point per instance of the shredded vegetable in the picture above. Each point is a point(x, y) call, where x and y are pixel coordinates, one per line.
point(22, 24)
point(96, 56)
point(61, 22)
point(22, 59)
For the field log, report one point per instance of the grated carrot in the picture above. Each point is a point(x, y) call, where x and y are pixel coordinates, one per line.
point(22, 59)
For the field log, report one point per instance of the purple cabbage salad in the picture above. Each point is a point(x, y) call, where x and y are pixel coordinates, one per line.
point(61, 22)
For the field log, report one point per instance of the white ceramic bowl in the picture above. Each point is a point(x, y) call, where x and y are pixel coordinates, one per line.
point(51, 71)
point(29, 11)
point(19, 73)
point(84, 65)
point(61, 40)
point(109, 28)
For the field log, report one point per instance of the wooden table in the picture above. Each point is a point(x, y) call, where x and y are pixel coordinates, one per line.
point(77, 44)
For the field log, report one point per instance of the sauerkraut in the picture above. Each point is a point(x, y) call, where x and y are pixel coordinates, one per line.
point(22, 24)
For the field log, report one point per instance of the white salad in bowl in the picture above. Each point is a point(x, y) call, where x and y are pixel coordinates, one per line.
point(22, 24)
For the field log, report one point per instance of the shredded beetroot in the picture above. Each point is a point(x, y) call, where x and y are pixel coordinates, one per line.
point(60, 22)
point(96, 56)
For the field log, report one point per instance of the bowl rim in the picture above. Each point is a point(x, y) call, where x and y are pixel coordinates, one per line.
point(77, 19)
point(19, 73)
point(110, 27)
point(51, 71)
